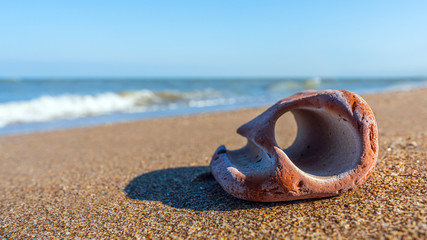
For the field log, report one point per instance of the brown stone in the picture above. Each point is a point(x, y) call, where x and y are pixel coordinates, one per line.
point(335, 150)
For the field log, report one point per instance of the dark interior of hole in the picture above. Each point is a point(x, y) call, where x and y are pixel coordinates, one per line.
point(325, 144)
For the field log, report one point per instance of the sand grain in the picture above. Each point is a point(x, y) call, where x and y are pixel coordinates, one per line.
point(149, 179)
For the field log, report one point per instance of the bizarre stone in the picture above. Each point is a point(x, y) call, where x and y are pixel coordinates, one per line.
point(335, 150)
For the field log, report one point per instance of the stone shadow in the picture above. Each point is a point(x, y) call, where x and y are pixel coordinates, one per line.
point(188, 188)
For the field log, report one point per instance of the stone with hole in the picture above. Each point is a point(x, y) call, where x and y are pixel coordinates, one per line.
point(335, 150)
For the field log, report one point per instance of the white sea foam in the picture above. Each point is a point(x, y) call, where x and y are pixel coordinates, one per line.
point(47, 108)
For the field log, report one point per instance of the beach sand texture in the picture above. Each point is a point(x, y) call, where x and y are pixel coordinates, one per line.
point(150, 179)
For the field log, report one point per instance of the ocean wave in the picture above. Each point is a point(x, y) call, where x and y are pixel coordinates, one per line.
point(406, 86)
point(48, 108)
point(291, 85)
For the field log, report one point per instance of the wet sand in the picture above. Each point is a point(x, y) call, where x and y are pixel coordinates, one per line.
point(150, 179)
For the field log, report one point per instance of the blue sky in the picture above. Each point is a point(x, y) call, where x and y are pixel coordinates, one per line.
point(212, 38)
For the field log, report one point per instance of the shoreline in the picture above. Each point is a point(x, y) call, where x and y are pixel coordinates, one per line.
point(62, 124)
point(150, 179)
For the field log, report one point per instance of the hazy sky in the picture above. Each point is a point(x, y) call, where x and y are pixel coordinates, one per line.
point(213, 38)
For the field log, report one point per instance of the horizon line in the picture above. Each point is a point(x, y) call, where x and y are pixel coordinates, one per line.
point(201, 77)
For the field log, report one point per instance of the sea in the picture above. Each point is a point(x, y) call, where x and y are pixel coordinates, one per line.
point(34, 105)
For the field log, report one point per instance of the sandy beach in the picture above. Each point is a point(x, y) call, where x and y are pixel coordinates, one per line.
point(150, 179)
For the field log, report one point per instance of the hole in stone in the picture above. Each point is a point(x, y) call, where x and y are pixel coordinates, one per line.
point(319, 146)
point(285, 131)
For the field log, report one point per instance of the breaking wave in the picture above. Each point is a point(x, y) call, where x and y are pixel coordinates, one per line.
point(26, 101)
point(47, 108)
point(287, 85)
